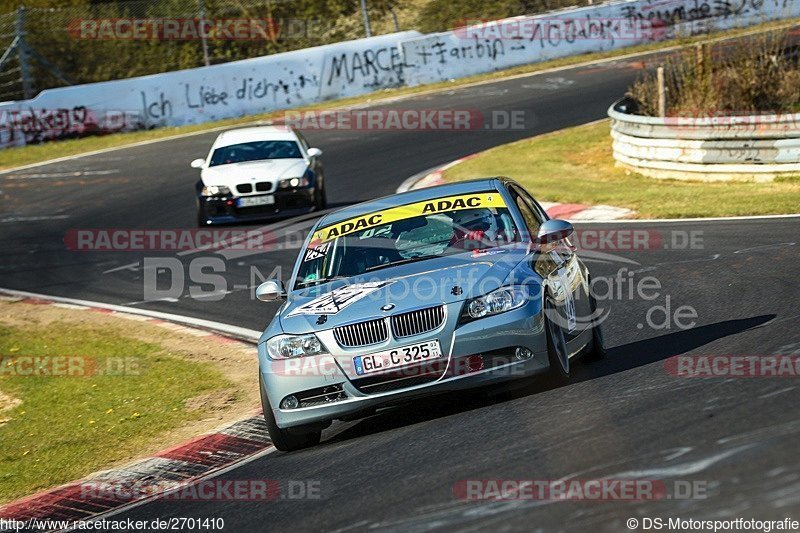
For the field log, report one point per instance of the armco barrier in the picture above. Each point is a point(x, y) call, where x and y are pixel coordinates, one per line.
point(756, 147)
point(352, 68)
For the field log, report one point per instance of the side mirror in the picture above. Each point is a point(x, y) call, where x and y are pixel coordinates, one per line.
point(271, 290)
point(314, 152)
point(197, 163)
point(553, 231)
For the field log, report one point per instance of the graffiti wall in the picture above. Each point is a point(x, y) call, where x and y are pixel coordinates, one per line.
point(204, 94)
point(485, 47)
point(292, 79)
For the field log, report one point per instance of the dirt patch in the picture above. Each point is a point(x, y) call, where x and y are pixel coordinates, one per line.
point(237, 361)
point(213, 401)
point(7, 402)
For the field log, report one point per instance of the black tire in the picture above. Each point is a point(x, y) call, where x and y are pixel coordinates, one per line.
point(557, 354)
point(598, 349)
point(286, 440)
point(201, 216)
point(320, 197)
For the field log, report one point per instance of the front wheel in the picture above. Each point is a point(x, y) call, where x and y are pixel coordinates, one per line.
point(557, 354)
point(286, 440)
point(598, 350)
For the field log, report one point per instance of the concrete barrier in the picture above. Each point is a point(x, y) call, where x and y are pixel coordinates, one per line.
point(753, 148)
point(517, 41)
point(234, 89)
point(292, 79)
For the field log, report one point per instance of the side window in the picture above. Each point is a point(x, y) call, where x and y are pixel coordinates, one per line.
point(532, 219)
point(564, 250)
point(532, 204)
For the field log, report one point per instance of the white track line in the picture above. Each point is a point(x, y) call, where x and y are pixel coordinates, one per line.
point(235, 331)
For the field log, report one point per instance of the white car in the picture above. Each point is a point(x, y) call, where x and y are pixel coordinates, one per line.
point(257, 173)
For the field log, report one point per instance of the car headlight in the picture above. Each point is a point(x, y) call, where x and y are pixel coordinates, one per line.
point(497, 301)
point(288, 346)
point(215, 190)
point(293, 182)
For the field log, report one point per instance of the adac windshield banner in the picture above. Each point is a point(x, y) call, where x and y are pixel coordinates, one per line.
point(393, 214)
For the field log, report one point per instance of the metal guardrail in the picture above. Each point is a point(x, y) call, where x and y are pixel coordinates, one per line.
point(754, 147)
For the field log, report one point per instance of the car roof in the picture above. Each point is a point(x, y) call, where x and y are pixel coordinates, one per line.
point(255, 133)
point(410, 197)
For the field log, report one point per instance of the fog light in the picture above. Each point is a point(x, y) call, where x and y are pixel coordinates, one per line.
point(290, 402)
point(523, 353)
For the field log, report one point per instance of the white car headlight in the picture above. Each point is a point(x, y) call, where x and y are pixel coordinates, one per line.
point(497, 301)
point(301, 181)
point(288, 346)
point(215, 190)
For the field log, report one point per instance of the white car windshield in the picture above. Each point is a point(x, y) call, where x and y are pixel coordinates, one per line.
point(255, 151)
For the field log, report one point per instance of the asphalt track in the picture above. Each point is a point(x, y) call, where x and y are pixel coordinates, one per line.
point(623, 418)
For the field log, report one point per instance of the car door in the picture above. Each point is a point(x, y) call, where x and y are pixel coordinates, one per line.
point(559, 265)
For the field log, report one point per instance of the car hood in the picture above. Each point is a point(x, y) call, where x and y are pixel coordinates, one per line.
point(398, 289)
point(267, 170)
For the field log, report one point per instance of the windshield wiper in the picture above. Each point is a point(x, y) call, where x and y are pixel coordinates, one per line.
point(400, 262)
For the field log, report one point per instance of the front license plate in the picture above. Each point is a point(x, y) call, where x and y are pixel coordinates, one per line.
point(252, 201)
point(404, 356)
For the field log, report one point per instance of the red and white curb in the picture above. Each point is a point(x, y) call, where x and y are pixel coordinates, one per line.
point(166, 471)
point(574, 212)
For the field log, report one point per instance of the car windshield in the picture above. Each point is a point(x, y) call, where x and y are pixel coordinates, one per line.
point(407, 234)
point(255, 151)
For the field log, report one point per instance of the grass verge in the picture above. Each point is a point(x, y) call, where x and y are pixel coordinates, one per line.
point(14, 157)
point(575, 165)
point(135, 388)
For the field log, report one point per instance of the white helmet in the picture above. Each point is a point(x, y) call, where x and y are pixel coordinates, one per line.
point(475, 220)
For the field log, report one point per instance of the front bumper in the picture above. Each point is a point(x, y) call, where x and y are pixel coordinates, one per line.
point(474, 354)
point(223, 210)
